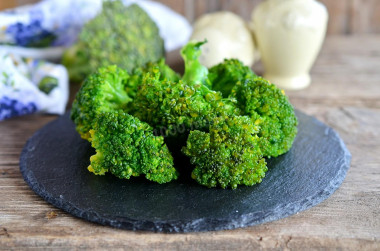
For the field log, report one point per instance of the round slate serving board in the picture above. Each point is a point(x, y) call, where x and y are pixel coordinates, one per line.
point(54, 163)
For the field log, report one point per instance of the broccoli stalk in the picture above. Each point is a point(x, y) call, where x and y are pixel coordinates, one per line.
point(195, 72)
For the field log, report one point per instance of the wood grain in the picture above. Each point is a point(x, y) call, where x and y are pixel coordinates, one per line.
point(345, 94)
point(339, 16)
point(364, 16)
point(345, 16)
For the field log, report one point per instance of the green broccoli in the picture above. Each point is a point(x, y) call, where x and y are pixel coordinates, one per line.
point(103, 91)
point(168, 104)
point(228, 154)
point(269, 108)
point(263, 102)
point(224, 138)
point(110, 88)
point(189, 106)
point(125, 36)
point(137, 75)
point(225, 75)
point(180, 104)
point(195, 72)
point(126, 147)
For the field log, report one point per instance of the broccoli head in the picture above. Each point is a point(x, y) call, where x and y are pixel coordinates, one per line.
point(225, 75)
point(125, 36)
point(126, 147)
point(187, 103)
point(228, 154)
point(269, 108)
point(173, 105)
point(137, 75)
point(102, 91)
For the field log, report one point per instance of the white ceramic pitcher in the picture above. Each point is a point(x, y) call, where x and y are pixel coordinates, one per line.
point(289, 35)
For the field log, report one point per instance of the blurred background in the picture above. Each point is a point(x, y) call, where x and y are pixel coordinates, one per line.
point(346, 17)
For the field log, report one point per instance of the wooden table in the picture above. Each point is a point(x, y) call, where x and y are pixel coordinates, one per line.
point(345, 94)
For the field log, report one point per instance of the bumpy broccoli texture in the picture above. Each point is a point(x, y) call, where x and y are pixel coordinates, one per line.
point(126, 147)
point(228, 154)
point(103, 91)
point(184, 104)
point(225, 120)
point(270, 109)
point(224, 76)
point(125, 36)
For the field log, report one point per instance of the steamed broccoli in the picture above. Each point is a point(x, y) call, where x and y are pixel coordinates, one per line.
point(125, 36)
point(180, 104)
point(225, 75)
point(271, 110)
point(224, 151)
point(110, 88)
point(126, 147)
point(262, 101)
point(225, 133)
point(169, 104)
point(103, 91)
point(228, 154)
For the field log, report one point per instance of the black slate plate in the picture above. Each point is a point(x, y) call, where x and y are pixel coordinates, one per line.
point(54, 160)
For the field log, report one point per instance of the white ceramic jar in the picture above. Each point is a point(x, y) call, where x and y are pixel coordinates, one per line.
point(289, 35)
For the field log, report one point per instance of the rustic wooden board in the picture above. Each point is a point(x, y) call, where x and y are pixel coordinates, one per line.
point(345, 94)
point(345, 16)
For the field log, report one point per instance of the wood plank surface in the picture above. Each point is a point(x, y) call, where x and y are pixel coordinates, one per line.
point(345, 16)
point(345, 94)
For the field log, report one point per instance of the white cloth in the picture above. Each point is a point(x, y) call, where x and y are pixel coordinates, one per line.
point(20, 89)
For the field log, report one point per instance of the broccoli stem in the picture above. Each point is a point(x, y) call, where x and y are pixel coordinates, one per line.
point(195, 72)
point(116, 94)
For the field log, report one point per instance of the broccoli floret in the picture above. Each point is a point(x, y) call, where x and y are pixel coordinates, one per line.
point(228, 154)
point(126, 147)
point(137, 75)
point(166, 73)
point(173, 105)
point(180, 104)
point(225, 75)
point(125, 36)
point(102, 91)
point(269, 107)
